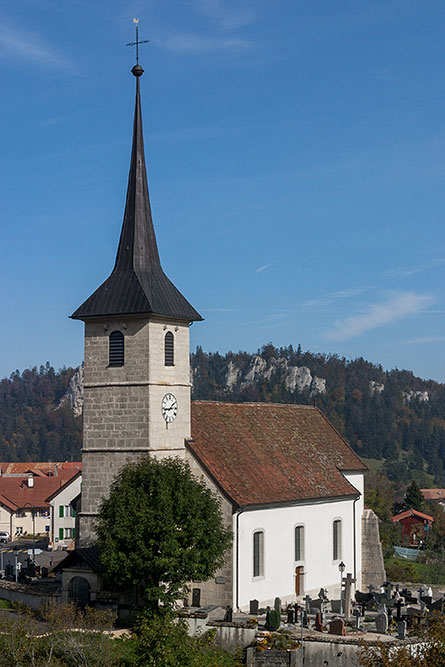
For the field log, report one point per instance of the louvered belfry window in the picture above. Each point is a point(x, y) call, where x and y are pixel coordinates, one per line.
point(116, 356)
point(169, 350)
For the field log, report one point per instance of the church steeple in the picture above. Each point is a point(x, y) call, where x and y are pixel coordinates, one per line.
point(137, 284)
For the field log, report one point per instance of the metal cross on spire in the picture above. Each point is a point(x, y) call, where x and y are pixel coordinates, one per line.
point(137, 42)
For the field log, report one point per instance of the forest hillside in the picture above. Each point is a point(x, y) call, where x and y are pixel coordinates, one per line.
point(391, 418)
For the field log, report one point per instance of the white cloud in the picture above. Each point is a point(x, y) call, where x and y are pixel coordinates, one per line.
point(396, 307)
point(334, 296)
point(406, 272)
point(426, 339)
point(263, 268)
point(227, 17)
point(194, 43)
point(14, 43)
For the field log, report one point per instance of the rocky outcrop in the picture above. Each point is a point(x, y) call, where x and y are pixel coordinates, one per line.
point(74, 394)
point(232, 376)
point(376, 387)
point(421, 396)
point(296, 378)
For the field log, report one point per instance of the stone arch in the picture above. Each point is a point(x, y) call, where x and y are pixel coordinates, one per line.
point(80, 591)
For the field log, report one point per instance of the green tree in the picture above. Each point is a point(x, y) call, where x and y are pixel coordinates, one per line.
point(413, 497)
point(160, 528)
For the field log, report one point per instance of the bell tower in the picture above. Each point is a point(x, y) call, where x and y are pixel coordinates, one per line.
point(137, 368)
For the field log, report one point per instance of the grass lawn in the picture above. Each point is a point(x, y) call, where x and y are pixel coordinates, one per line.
point(5, 604)
point(373, 464)
point(398, 569)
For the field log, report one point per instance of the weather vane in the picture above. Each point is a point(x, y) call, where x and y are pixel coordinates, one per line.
point(137, 42)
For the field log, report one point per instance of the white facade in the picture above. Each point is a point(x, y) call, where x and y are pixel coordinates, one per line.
point(277, 564)
point(62, 514)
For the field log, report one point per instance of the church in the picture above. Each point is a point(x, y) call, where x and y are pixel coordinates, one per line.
point(290, 486)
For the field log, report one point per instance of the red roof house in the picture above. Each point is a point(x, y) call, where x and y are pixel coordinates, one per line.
point(414, 525)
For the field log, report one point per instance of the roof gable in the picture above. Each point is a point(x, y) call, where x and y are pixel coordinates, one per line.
point(260, 453)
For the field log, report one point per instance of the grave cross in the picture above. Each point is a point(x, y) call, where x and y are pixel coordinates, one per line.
point(348, 587)
point(137, 42)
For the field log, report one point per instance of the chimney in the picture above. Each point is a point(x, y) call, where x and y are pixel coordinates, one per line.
point(56, 470)
point(30, 481)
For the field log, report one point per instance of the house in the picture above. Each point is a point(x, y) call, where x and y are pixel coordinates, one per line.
point(62, 513)
point(435, 495)
point(24, 488)
point(291, 488)
point(414, 524)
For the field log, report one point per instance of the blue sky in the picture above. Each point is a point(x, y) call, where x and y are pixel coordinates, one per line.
point(296, 159)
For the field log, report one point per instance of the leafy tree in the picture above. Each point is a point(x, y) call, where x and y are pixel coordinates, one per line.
point(159, 529)
point(164, 641)
point(413, 497)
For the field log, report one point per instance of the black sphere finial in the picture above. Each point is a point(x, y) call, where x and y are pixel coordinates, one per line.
point(137, 70)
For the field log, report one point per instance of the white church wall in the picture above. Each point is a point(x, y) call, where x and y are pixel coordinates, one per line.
point(278, 524)
point(357, 479)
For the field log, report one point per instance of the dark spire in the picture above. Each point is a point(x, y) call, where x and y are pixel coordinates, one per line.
point(137, 284)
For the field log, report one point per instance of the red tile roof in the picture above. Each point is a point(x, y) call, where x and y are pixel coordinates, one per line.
point(407, 513)
point(433, 494)
point(37, 468)
point(269, 453)
point(15, 492)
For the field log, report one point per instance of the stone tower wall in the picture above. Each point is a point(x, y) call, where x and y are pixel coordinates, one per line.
point(122, 405)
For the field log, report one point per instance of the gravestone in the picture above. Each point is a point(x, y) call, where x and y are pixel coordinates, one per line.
point(307, 602)
point(357, 615)
point(401, 629)
point(381, 623)
point(319, 622)
point(336, 606)
point(254, 606)
point(228, 616)
point(337, 627)
point(304, 618)
point(196, 597)
point(290, 614)
point(277, 605)
point(399, 605)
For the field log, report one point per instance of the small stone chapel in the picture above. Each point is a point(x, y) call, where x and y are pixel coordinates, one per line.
point(290, 486)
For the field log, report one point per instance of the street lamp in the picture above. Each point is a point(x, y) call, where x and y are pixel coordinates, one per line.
point(342, 568)
point(33, 530)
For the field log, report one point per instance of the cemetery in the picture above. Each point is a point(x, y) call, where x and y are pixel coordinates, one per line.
point(323, 631)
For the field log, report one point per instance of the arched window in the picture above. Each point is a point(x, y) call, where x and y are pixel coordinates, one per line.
point(258, 553)
point(116, 352)
point(169, 350)
point(336, 539)
point(299, 543)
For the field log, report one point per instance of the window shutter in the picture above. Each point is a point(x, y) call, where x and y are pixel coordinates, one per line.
point(60, 533)
point(74, 533)
point(116, 351)
point(61, 511)
point(74, 512)
point(169, 352)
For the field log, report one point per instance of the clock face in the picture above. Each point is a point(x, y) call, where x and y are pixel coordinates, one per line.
point(169, 408)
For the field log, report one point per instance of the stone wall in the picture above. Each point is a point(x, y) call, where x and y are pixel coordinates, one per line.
point(219, 589)
point(373, 567)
